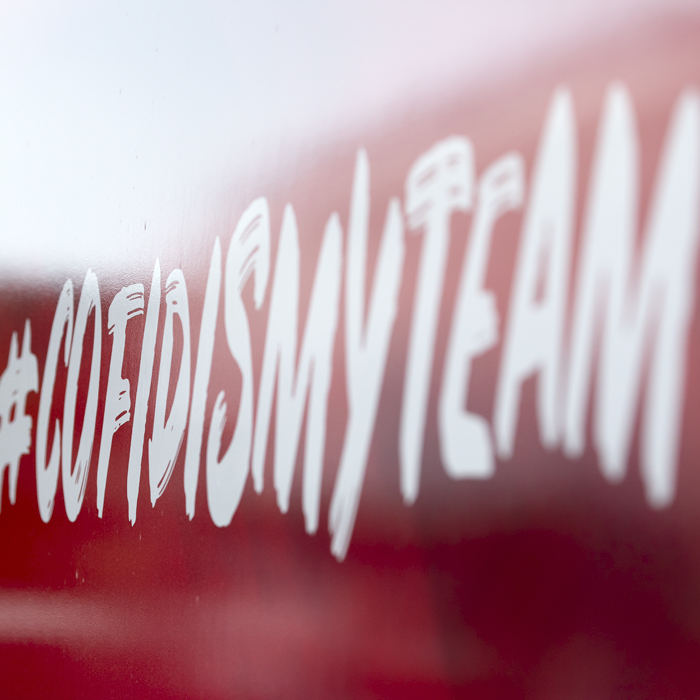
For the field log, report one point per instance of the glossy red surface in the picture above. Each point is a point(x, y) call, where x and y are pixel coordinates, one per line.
point(545, 581)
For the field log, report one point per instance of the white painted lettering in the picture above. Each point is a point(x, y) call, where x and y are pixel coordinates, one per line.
point(533, 341)
point(465, 439)
point(439, 183)
point(366, 347)
point(47, 474)
point(202, 373)
point(248, 253)
point(143, 391)
point(164, 445)
point(74, 476)
point(21, 376)
point(127, 304)
point(658, 297)
point(314, 370)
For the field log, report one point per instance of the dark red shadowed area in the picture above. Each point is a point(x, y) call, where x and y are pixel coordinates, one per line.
point(545, 582)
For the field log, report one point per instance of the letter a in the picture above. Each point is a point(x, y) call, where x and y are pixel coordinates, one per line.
point(533, 341)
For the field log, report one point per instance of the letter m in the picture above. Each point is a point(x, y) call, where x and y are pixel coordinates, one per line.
point(312, 375)
point(640, 312)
